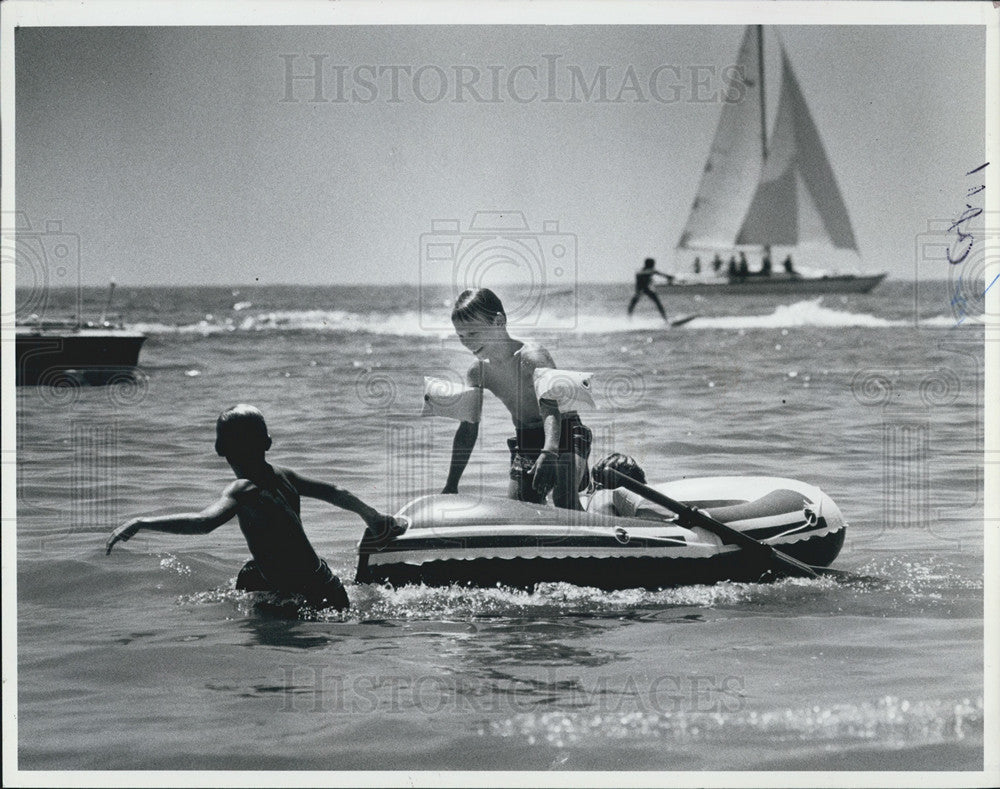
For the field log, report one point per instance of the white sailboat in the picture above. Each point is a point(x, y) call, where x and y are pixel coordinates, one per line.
point(757, 193)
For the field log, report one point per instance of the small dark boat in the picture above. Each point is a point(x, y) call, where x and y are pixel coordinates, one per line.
point(60, 352)
point(51, 352)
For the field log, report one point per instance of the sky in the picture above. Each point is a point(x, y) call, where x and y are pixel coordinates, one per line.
point(184, 155)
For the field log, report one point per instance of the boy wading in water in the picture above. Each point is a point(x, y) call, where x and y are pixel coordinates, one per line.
point(550, 449)
point(265, 499)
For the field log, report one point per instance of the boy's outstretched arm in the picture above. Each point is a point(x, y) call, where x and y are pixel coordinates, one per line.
point(379, 524)
point(461, 450)
point(202, 522)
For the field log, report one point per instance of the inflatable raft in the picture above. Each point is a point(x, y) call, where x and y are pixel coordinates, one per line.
point(487, 541)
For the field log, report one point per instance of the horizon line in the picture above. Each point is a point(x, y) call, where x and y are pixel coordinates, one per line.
point(120, 284)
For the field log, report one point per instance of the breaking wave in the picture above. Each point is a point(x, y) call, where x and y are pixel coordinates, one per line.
point(809, 313)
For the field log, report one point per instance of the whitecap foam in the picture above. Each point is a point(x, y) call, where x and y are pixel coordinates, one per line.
point(172, 563)
point(410, 323)
point(418, 602)
point(419, 324)
point(802, 313)
point(889, 720)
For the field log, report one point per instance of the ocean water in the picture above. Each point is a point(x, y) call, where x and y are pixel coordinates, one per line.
point(148, 658)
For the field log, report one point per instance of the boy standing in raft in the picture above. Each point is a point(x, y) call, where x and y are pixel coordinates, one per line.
point(550, 449)
point(265, 498)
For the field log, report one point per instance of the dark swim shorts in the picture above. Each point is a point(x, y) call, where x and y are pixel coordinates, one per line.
point(321, 590)
point(574, 438)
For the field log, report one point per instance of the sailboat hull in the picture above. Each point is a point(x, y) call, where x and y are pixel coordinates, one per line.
point(840, 283)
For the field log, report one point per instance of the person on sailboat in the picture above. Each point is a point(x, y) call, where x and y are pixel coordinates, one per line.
point(788, 267)
point(765, 265)
point(717, 263)
point(732, 271)
point(744, 270)
point(643, 279)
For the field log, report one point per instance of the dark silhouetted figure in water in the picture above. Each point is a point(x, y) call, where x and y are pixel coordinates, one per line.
point(643, 280)
point(765, 266)
point(732, 270)
point(716, 263)
point(744, 269)
point(789, 268)
point(265, 499)
point(697, 265)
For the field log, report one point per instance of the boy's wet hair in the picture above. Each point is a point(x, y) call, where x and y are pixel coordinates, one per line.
point(616, 461)
point(241, 430)
point(649, 262)
point(477, 304)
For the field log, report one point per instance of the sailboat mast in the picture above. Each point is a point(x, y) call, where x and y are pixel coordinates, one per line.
point(760, 76)
point(763, 105)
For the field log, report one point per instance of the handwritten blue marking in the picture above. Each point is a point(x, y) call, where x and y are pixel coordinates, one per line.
point(960, 301)
point(965, 241)
point(991, 284)
point(970, 212)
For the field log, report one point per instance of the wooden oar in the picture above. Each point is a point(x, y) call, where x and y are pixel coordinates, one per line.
point(691, 516)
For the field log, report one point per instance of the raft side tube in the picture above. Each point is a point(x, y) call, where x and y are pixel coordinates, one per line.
point(485, 541)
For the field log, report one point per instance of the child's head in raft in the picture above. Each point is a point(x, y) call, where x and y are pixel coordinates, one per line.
point(241, 435)
point(479, 318)
point(626, 465)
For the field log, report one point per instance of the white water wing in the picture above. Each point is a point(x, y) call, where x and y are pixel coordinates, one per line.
point(452, 400)
point(569, 389)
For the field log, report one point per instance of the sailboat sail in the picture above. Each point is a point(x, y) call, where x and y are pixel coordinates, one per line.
point(787, 199)
point(734, 162)
point(797, 200)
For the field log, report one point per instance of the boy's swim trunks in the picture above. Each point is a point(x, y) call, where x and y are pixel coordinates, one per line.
point(574, 438)
point(322, 589)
